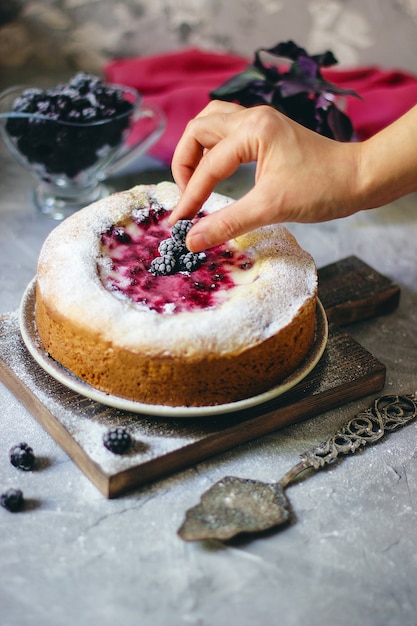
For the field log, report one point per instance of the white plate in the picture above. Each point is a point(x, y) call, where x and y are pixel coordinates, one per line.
point(34, 345)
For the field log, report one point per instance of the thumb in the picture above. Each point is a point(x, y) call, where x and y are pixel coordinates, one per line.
point(249, 212)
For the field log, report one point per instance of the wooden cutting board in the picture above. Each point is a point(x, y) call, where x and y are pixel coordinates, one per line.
point(350, 290)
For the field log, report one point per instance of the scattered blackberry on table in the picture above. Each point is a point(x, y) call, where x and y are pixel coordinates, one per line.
point(117, 440)
point(12, 500)
point(189, 262)
point(22, 456)
point(163, 265)
point(180, 229)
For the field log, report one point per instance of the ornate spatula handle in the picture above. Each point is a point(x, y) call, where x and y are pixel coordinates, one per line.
point(367, 427)
point(239, 505)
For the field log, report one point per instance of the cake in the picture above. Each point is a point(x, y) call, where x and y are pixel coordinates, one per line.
point(233, 323)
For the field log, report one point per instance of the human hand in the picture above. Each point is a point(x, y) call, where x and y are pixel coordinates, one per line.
point(300, 175)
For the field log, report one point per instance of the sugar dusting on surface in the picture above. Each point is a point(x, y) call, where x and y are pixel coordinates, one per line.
point(284, 277)
point(84, 420)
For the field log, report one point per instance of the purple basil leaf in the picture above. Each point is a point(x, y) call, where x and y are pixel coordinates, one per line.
point(306, 68)
point(292, 87)
point(238, 83)
point(342, 91)
point(339, 124)
point(290, 50)
point(269, 72)
point(300, 108)
point(324, 101)
point(326, 59)
point(287, 50)
point(300, 92)
point(315, 86)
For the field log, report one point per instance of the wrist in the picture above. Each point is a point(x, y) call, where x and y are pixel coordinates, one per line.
point(388, 162)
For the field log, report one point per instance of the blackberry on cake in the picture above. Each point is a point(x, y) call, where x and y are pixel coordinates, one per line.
point(180, 229)
point(109, 311)
point(190, 262)
point(171, 247)
point(163, 265)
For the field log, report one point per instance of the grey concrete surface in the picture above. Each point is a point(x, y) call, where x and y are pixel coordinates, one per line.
point(349, 558)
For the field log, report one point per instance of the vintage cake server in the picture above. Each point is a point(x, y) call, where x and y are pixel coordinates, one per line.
point(238, 505)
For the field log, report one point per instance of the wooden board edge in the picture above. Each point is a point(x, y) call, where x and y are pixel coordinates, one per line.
point(55, 429)
point(244, 432)
point(349, 312)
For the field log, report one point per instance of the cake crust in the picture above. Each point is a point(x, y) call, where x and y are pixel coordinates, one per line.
point(241, 347)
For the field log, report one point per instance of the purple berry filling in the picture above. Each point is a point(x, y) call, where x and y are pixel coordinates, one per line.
point(131, 249)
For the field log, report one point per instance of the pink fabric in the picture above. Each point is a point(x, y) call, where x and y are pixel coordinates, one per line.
point(386, 95)
point(180, 83)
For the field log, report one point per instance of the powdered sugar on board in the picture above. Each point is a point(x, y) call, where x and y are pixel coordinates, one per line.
point(84, 420)
point(345, 372)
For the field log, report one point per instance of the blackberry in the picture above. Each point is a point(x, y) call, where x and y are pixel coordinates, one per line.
point(12, 500)
point(156, 212)
point(26, 103)
point(121, 235)
point(147, 217)
point(163, 265)
point(117, 440)
point(170, 247)
point(89, 113)
point(189, 262)
point(22, 456)
point(84, 83)
point(180, 229)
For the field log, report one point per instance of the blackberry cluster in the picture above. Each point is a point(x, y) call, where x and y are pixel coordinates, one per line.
point(12, 500)
point(73, 145)
point(22, 456)
point(117, 440)
point(175, 257)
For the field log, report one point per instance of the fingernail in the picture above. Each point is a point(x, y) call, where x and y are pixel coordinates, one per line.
point(197, 242)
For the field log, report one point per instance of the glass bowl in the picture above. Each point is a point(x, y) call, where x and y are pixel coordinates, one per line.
point(70, 160)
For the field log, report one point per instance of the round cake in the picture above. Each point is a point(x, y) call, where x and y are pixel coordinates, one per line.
point(124, 306)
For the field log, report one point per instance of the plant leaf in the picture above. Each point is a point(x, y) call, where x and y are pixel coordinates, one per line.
point(300, 91)
point(251, 75)
point(285, 49)
point(340, 124)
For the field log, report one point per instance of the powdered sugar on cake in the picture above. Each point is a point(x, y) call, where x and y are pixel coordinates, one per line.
point(266, 280)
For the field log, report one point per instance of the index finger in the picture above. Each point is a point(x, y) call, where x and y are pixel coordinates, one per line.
point(193, 143)
point(208, 152)
point(187, 155)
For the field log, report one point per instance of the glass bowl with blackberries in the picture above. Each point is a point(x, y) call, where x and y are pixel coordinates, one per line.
point(74, 136)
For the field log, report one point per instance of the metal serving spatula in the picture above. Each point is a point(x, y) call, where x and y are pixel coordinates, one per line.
point(239, 505)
